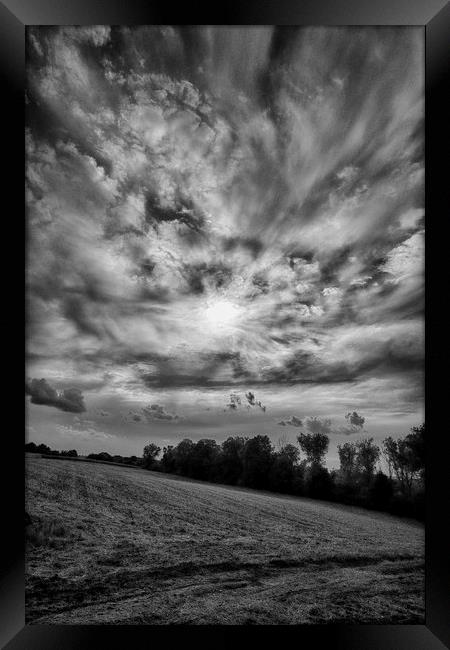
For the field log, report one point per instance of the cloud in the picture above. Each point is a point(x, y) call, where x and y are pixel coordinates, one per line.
point(41, 392)
point(158, 412)
point(346, 431)
point(316, 424)
point(169, 179)
point(134, 416)
point(293, 421)
point(355, 424)
point(81, 432)
point(252, 401)
point(234, 402)
point(97, 35)
point(355, 420)
point(405, 261)
point(410, 219)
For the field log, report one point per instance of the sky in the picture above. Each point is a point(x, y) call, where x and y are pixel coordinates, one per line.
point(225, 234)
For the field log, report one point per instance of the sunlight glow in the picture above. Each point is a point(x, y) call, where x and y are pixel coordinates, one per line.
point(222, 314)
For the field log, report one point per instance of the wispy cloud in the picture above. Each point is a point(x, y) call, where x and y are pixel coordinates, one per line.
point(224, 208)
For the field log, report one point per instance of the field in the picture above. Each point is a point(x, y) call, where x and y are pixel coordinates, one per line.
point(118, 545)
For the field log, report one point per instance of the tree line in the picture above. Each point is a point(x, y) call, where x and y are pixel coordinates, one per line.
point(298, 469)
point(103, 456)
point(32, 448)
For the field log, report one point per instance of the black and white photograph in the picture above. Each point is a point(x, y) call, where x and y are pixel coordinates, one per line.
point(224, 395)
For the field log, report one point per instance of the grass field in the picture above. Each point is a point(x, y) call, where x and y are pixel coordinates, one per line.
point(118, 545)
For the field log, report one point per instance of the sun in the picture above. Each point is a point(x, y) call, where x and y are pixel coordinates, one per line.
point(221, 314)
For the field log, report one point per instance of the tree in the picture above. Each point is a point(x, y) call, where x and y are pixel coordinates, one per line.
point(406, 458)
point(71, 453)
point(367, 456)
point(149, 455)
point(416, 443)
point(204, 459)
point(257, 461)
point(314, 446)
point(283, 475)
point(231, 459)
point(43, 449)
point(290, 452)
point(103, 455)
point(347, 458)
point(184, 453)
point(168, 460)
point(318, 482)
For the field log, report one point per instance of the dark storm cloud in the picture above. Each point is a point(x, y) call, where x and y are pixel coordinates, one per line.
point(41, 392)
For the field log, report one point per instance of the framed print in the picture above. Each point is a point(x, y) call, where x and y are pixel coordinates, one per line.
point(232, 269)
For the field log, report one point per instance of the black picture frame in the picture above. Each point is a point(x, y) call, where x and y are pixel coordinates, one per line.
point(434, 16)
